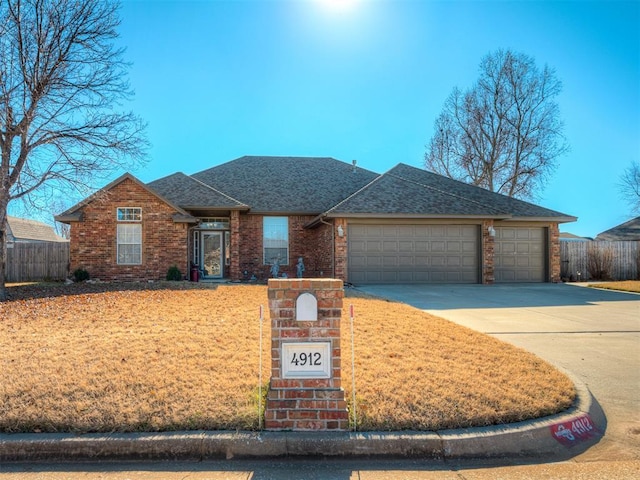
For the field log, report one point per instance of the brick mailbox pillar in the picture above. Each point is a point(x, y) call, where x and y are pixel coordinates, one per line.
point(305, 392)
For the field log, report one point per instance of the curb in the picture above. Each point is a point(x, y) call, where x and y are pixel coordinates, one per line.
point(558, 436)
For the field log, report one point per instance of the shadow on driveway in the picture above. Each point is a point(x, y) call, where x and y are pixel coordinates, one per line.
point(453, 297)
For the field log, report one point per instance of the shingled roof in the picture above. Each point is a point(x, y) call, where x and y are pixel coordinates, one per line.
point(189, 193)
point(294, 185)
point(627, 231)
point(24, 230)
point(406, 190)
point(326, 187)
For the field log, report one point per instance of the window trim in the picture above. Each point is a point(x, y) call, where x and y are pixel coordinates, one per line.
point(266, 261)
point(128, 217)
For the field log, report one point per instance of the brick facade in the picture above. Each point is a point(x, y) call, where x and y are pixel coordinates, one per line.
point(165, 243)
point(312, 244)
point(306, 403)
point(93, 239)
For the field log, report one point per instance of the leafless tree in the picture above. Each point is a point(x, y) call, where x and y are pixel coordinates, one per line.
point(63, 83)
point(630, 186)
point(503, 134)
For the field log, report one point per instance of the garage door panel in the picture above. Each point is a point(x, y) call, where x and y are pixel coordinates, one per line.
point(373, 247)
point(437, 231)
point(389, 246)
point(413, 254)
point(421, 260)
point(421, 246)
point(519, 254)
point(438, 246)
point(389, 261)
point(390, 231)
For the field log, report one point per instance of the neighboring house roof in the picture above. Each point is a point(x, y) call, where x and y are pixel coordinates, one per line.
point(627, 231)
point(303, 185)
point(573, 238)
point(23, 230)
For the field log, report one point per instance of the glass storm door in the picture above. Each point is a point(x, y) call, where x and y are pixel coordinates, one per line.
point(212, 254)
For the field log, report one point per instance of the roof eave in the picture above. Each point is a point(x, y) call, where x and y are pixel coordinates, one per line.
point(239, 208)
point(180, 218)
point(551, 219)
point(74, 217)
point(417, 216)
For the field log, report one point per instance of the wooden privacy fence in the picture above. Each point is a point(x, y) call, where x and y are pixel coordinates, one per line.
point(28, 262)
point(619, 260)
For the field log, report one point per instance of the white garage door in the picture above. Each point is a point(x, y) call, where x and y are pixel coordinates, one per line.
point(519, 254)
point(413, 254)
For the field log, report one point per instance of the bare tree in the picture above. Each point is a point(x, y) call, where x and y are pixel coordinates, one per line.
point(62, 88)
point(503, 134)
point(630, 186)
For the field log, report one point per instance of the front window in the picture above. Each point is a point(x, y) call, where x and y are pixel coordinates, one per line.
point(276, 240)
point(129, 236)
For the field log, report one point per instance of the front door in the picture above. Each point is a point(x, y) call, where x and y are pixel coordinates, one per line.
point(212, 256)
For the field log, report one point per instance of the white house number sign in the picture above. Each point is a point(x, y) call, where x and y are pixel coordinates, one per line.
point(306, 360)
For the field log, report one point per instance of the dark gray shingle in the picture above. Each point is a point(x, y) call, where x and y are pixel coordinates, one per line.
point(413, 191)
point(304, 185)
point(187, 192)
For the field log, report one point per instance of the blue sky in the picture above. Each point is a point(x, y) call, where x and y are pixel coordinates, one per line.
point(216, 80)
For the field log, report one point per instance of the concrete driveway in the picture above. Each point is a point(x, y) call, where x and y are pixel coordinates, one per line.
point(594, 334)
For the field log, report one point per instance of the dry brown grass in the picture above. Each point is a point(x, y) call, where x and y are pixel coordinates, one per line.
point(625, 286)
point(179, 357)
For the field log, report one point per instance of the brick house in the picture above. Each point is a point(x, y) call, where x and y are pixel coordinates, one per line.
point(235, 220)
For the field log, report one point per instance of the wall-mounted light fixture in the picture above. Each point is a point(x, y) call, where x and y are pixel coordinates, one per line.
point(340, 231)
point(492, 231)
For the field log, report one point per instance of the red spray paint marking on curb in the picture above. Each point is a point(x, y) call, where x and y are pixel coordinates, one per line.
point(574, 432)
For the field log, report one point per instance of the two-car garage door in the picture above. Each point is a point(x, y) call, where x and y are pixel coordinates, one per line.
point(413, 253)
point(434, 253)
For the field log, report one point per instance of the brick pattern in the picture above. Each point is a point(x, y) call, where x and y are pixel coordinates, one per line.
point(340, 252)
point(305, 404)
point(313, 245)
point(554, 252)
point(93, 240)
point(488, 249)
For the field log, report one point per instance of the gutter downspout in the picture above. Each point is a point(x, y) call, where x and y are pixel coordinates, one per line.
point(333, 247)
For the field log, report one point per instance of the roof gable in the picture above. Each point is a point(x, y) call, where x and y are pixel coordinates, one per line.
point(187, 192)
point(74, 213)
point(302, 185)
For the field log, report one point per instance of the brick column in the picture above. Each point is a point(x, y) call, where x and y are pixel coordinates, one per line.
point(340, 249)
point(488, 248)
point(300, 398)
point(234, 254)
point(554, 252)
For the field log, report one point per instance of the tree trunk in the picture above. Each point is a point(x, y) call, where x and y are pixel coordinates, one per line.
point(3, 257)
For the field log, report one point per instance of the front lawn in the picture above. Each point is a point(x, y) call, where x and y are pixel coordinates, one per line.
point(625, 286)
point(181, 356)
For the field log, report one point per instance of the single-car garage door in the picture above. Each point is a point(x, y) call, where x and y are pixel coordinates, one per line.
point(519, 254)
point(413, 253)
